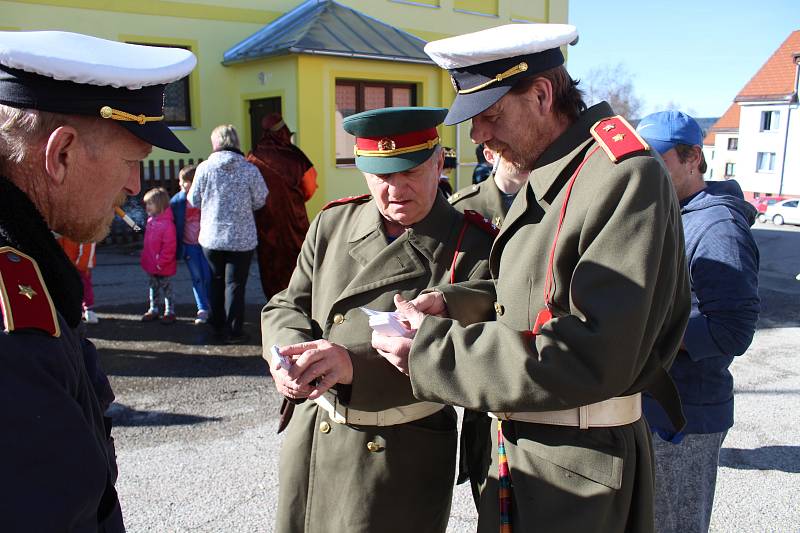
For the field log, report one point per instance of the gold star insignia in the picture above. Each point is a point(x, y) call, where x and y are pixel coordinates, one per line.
point(618, 137)
point(608, 127)
point(27, 291)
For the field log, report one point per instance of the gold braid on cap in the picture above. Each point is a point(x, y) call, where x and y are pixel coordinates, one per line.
point(116, 114)
point(391, 152)
point(516, 69)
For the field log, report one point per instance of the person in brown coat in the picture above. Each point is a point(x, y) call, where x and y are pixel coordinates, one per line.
point(283, 222)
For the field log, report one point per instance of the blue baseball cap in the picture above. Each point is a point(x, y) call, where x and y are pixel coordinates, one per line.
point(665, 129)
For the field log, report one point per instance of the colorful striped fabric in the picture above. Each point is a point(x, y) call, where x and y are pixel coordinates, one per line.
point(505, 482)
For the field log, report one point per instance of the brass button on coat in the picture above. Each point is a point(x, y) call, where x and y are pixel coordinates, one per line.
point(325, 427)
point(499, 309)
point(338, 318)
point(374, 446)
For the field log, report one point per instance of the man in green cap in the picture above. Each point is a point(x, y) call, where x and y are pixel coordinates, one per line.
point(591, 296)
point(365, 455)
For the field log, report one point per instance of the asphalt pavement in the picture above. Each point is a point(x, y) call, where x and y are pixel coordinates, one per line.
point(196, 421)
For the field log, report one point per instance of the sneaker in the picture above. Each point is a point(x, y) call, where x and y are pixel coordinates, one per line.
point(168, 318)
point(90, 317)
point(202, 317)
point(150, 316)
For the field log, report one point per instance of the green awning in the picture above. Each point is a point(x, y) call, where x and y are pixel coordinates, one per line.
point(329, 28)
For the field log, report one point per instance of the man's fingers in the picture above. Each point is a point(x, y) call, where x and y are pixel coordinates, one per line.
point(409, 311)
point(326, 383)
point(299, 348)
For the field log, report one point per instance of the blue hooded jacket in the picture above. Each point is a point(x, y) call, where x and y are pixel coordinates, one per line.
point(723, 270)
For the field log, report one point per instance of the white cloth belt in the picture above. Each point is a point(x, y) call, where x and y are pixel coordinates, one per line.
point(618, 411)
point(388, 417)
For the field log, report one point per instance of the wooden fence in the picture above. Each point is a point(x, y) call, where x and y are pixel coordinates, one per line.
point(159, 173)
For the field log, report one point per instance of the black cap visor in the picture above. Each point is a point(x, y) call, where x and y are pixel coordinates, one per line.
point(25, 90)
point(478, 87)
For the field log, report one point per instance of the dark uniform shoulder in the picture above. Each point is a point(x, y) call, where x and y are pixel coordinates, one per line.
point(464, 193)
point(24, 300)
point(617, 138)
point(347, 200)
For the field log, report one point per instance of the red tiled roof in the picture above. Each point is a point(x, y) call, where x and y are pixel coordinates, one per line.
point(775, 80)
point(728, 122)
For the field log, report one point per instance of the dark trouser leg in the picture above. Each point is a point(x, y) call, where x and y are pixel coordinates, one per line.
point(216, 261)
point(236, 273)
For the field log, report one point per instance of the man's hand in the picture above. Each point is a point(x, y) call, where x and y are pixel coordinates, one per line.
point(396, 349)
point(393, 349)
point(284, 384)
point(321, 359)
point(429, 303)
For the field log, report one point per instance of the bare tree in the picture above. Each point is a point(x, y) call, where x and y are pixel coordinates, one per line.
point(614, 84)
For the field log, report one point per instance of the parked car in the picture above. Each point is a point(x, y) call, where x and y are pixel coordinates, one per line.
point(761, 203)
point(784, 212)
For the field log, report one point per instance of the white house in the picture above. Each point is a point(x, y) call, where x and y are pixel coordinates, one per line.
point(763, 151)
point(721, 146)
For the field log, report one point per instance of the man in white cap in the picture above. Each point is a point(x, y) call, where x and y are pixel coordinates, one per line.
point(589, 302)
point(77, 114)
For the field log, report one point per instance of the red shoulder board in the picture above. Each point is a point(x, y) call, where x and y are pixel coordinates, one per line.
point(618, 138)
point(347, 200)
point(24, 299)
point(476, 219)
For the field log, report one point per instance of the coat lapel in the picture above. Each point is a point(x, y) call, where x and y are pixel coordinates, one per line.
point(382, 264)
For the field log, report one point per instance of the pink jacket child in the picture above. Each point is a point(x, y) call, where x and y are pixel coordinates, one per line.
point(158, 254)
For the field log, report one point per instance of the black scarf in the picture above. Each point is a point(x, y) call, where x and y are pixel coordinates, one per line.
point(22, 227)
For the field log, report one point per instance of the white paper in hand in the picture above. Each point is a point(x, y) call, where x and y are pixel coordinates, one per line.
point(387, 323)
point(279, 360)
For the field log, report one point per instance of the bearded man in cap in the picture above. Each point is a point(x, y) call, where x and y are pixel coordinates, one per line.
point(590, 296)
point(365, 455)
point(77, 114)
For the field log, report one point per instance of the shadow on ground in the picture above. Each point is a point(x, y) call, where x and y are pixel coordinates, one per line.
point(783, 458)
point(127, 417)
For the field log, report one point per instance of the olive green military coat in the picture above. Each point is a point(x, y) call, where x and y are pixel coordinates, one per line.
point(621, 303)
point(483, 197)
point(329, 480)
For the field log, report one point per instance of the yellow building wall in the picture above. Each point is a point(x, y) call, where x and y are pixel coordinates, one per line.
point(317, 77)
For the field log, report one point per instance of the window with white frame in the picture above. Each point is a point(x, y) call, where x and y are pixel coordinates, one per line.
point(177, 107)
point(730, 169)
point(770, 120)
point(733, 143)
point(353, 96)
point(765, 162)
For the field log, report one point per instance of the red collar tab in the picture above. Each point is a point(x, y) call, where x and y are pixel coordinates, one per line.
point(476, 219)
point(617, 138)
point(347, 200)
point(24, 299)
point(396, 144)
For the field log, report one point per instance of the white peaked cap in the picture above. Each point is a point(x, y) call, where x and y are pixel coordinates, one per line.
point(500, 42)
point(84, 59)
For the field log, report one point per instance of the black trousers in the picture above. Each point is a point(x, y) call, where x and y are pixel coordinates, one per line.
point(229, 272)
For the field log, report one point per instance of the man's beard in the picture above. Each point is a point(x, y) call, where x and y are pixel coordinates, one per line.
point(84, 230)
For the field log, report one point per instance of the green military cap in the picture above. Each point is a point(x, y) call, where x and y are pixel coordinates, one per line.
point(394, 139)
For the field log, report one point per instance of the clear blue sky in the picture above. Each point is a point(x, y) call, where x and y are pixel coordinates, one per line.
point(697, 54)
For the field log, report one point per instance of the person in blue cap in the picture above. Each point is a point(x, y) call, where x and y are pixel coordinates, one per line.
point(723, 264)
point(589, 301)
point(365, 455)
point(77, 114)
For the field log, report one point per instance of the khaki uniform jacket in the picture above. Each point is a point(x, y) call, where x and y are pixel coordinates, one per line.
point(329, 479)
point(621, 303)
point(483, 197)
